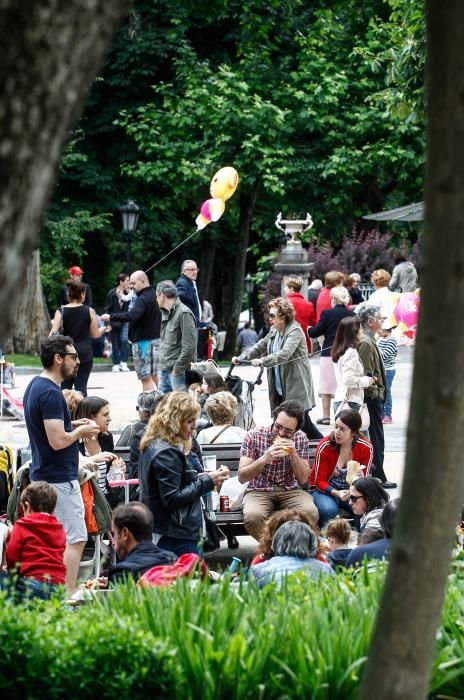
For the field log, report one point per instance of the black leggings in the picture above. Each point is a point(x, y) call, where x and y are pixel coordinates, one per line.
point(80, 380)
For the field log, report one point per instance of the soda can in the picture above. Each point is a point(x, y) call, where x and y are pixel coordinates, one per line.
point(224, 504)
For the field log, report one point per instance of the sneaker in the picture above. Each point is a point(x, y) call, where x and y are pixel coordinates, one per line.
point(387, 419)
point(116, 368)
point(123, 367)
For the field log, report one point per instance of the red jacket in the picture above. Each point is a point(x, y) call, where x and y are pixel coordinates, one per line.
point(37, 545)
point(326, 460)
point(323, 302)
point(304, 313)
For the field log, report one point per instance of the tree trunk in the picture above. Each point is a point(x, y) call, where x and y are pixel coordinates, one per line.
point(32, 320)
point(207, 260)
point(233, 299)
point(403, 645)
point(51, 53)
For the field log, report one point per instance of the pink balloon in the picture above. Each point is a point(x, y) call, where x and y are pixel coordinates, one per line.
point(407, 309)
point(213, 209)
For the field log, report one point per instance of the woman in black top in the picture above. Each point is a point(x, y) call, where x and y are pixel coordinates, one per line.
point(80, 323)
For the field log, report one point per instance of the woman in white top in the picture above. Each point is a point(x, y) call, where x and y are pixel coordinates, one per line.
point(382, 297)
point(349, 370)
point(221, 409)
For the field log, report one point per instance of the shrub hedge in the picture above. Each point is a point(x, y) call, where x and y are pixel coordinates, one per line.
point(197, 640)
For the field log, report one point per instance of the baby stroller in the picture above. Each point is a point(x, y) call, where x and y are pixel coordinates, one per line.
point(243, 392)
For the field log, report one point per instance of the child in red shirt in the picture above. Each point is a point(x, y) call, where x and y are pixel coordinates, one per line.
point(37, 542)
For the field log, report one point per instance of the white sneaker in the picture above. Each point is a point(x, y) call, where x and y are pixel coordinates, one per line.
point(116, 368)
point(123, 367)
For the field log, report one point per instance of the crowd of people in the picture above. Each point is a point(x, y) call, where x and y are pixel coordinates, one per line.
point(287, 501)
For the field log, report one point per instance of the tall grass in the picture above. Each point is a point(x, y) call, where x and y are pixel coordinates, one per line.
point(197, 640)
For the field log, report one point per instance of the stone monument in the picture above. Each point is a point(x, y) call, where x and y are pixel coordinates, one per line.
point(293, 260)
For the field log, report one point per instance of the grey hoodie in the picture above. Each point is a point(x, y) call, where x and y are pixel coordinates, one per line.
point(404, 278)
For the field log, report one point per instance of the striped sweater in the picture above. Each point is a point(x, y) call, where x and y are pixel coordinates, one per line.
point(388, 348)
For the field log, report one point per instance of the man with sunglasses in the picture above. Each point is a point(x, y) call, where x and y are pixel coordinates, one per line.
point(275, 461)
point(53, 437)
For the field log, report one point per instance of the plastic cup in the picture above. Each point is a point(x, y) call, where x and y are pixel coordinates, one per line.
point(209, 462)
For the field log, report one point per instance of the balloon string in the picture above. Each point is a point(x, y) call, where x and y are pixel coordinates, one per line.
point(171, 251)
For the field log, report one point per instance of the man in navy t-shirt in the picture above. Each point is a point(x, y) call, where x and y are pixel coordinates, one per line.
point(55, 455)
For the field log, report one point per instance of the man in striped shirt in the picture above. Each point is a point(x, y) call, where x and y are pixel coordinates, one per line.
point(275, 461)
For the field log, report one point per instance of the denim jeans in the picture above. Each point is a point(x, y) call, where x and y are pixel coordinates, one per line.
point(328, 506)
point(119, 345)
point(171, 382)
point(178, 546)
point(387, 407)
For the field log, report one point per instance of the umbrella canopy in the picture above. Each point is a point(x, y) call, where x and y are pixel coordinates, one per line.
point(412, 212)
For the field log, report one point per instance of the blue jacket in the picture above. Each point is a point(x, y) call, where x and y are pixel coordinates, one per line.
point(141, 558)
point(186, 293)
point(373, 550)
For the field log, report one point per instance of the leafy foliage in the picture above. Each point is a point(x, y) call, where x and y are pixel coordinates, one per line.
point(194, 640)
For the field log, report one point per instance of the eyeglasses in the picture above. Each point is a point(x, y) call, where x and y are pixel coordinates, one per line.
point(273, 315)
point(353, 499)
point(74, 355)
point(285, 431)
point(191, 269)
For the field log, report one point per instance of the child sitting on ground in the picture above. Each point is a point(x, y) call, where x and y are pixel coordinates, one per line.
point(36, 543)
point(338, 533)
point(372, 534)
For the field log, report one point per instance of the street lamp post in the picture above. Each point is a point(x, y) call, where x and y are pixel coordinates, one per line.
point(130, 213)
point(249, 288)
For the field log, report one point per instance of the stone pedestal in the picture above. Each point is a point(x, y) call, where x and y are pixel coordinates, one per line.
point(293, 260)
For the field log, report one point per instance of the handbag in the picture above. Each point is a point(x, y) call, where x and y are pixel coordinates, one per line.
point(60, 330)
point(363, 412)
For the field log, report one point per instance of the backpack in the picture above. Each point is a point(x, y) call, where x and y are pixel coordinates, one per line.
point(6, 475)
point(20, 482)
point(166, 574)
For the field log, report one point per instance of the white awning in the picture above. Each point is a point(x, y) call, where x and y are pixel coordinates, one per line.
point(412, 212)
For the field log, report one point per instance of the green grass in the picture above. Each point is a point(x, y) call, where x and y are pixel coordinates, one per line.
point(34, 360)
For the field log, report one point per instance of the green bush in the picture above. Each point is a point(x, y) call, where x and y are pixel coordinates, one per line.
point(197, 640)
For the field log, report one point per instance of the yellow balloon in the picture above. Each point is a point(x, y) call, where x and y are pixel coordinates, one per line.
point(224, 183)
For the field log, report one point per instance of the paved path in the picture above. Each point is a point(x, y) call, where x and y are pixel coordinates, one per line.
point(122, 389)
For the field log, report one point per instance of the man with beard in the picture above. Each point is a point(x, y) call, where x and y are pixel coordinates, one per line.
point(55, 454)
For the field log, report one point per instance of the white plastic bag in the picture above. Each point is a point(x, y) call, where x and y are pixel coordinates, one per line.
point(235, 490)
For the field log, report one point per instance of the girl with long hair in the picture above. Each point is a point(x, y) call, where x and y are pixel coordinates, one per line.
point(349, 370)
point(328, 477)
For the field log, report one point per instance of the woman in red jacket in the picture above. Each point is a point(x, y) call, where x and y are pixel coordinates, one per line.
point(327, 480)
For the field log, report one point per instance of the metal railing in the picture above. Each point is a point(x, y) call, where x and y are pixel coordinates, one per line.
point(366, 289)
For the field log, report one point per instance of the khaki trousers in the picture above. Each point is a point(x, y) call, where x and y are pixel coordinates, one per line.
point(259, 505)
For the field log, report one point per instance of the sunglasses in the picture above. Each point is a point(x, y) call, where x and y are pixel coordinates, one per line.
point(353, 499)
point(273, 315)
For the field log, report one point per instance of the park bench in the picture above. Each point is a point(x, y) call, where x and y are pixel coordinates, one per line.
point(228, 454)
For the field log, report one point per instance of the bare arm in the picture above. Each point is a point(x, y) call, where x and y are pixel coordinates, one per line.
point(59, 438)
point(56, 323)
point(95, 331)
